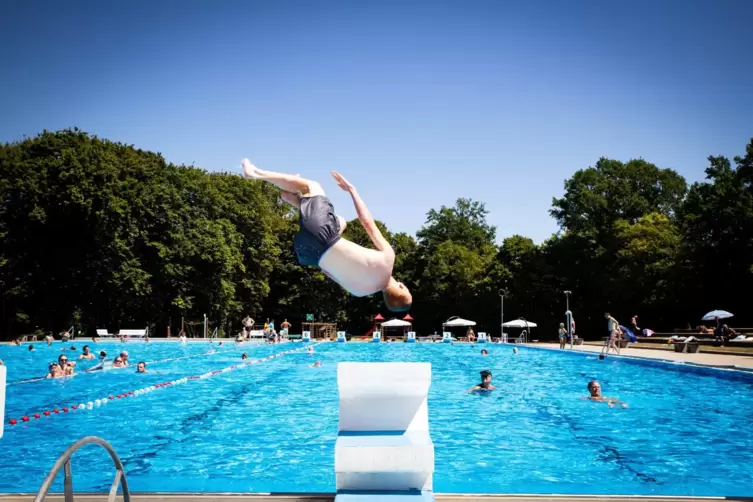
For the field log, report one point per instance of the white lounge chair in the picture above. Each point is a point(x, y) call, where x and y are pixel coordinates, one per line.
point(104, 333)
point(134, 333)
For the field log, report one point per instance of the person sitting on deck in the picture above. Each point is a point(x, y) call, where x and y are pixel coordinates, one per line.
point(319, 242)
point(486, 382)
point(594, 390)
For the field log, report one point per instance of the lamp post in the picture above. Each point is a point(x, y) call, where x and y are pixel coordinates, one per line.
point(502, 315)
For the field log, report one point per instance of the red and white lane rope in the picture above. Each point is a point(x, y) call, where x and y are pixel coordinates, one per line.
point(96, 403)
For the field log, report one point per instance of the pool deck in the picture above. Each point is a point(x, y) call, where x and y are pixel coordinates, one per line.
point(327, 497)
point(728, 361)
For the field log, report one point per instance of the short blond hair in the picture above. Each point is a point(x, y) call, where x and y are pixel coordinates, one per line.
point(397, 299)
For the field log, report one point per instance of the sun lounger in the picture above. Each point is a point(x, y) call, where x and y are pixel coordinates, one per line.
point(134, 333)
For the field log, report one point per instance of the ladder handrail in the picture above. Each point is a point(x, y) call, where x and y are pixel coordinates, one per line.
point(64, 462)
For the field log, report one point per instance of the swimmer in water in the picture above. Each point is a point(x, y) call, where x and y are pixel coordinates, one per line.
point(319, 241)
point(118, 362)
point(101, 364)
point(31, 348)
point(141, 367)
point(124, 357)
point(54, 371)
point(486, 382)
point(514, 350)
point(85, 354)
point(244, 356)
point(67, 367)
point(311, 349)
point(484, 352)
point(315, 365)
point(594, 389)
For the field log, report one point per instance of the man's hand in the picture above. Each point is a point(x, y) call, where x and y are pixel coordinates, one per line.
point(342, 182)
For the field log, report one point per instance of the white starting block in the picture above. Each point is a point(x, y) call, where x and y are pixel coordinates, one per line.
point(383, 446)
point(446, 337)
point(376, 337)
point(411, 338)
point(481, 337)
point(341, 336)
point(3, 376)
point(306, 336)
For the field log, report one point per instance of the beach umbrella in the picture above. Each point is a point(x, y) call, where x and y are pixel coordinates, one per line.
point(519, 323)
point(721, 314)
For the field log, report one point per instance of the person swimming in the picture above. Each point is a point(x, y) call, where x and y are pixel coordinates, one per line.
point(486, 382)
point(311, 349)
point(54, 371)
point(244, 356)
point(514, 350)
point(594, 390)
point(31, 348)
point(67, 367)
point(141, 367)
point(85, 354)
point(101, 364)
point(484, 352)
point(315, 365)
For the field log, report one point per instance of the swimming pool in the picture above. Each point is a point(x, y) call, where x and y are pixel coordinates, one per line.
point(271, 427)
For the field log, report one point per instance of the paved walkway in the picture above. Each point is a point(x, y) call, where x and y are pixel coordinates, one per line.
point(699, 358)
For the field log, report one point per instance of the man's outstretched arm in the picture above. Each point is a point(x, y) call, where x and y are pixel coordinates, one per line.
point(363, 214)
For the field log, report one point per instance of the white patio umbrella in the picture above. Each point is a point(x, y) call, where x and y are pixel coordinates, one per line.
point(519, 323)
point(395, 323)
point(721, 314)
point(455, 322)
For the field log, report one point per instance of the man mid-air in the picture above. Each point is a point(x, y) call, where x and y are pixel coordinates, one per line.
point(319, 242)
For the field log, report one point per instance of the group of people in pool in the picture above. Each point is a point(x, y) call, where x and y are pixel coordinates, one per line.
point(594, 387)
point(63, 367)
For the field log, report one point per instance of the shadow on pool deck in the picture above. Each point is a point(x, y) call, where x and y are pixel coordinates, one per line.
point(329, 497)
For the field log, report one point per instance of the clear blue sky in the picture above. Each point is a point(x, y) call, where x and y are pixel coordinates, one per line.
point(417, 103)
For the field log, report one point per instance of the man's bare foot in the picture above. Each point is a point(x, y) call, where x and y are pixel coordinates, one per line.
point(250, 170)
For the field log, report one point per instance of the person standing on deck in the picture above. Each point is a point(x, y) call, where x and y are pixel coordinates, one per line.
point(319, 242)
point(613, 334)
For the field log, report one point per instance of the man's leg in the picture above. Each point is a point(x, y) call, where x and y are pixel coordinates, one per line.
point(285, 182)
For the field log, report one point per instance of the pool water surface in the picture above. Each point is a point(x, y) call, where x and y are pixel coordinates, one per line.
point(271, 427)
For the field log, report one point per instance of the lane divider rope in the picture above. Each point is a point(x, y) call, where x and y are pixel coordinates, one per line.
point(151, 388)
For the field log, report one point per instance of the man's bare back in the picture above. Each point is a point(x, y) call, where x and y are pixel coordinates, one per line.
point(359, 270)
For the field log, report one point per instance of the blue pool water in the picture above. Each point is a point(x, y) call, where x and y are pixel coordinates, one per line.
point(271, 427)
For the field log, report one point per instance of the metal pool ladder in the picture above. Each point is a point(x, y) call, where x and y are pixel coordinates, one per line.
point(64, 462)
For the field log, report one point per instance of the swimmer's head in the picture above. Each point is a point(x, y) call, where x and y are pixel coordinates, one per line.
point(244, 356)
point(102, 354)
point(85, 349)
point(594, 388)
point(601, 357)
point(484, 352)
point(318, 363)
point(141, 367)
point(31, 348)
point(397, 298)
point(486, 376)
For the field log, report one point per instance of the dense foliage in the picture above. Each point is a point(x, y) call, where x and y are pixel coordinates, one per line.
point(101, 234)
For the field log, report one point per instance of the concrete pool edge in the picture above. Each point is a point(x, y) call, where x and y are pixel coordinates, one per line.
point(329, 497)
point(672, 362)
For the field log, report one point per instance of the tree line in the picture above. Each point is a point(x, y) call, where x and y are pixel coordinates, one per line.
point(95, 233)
